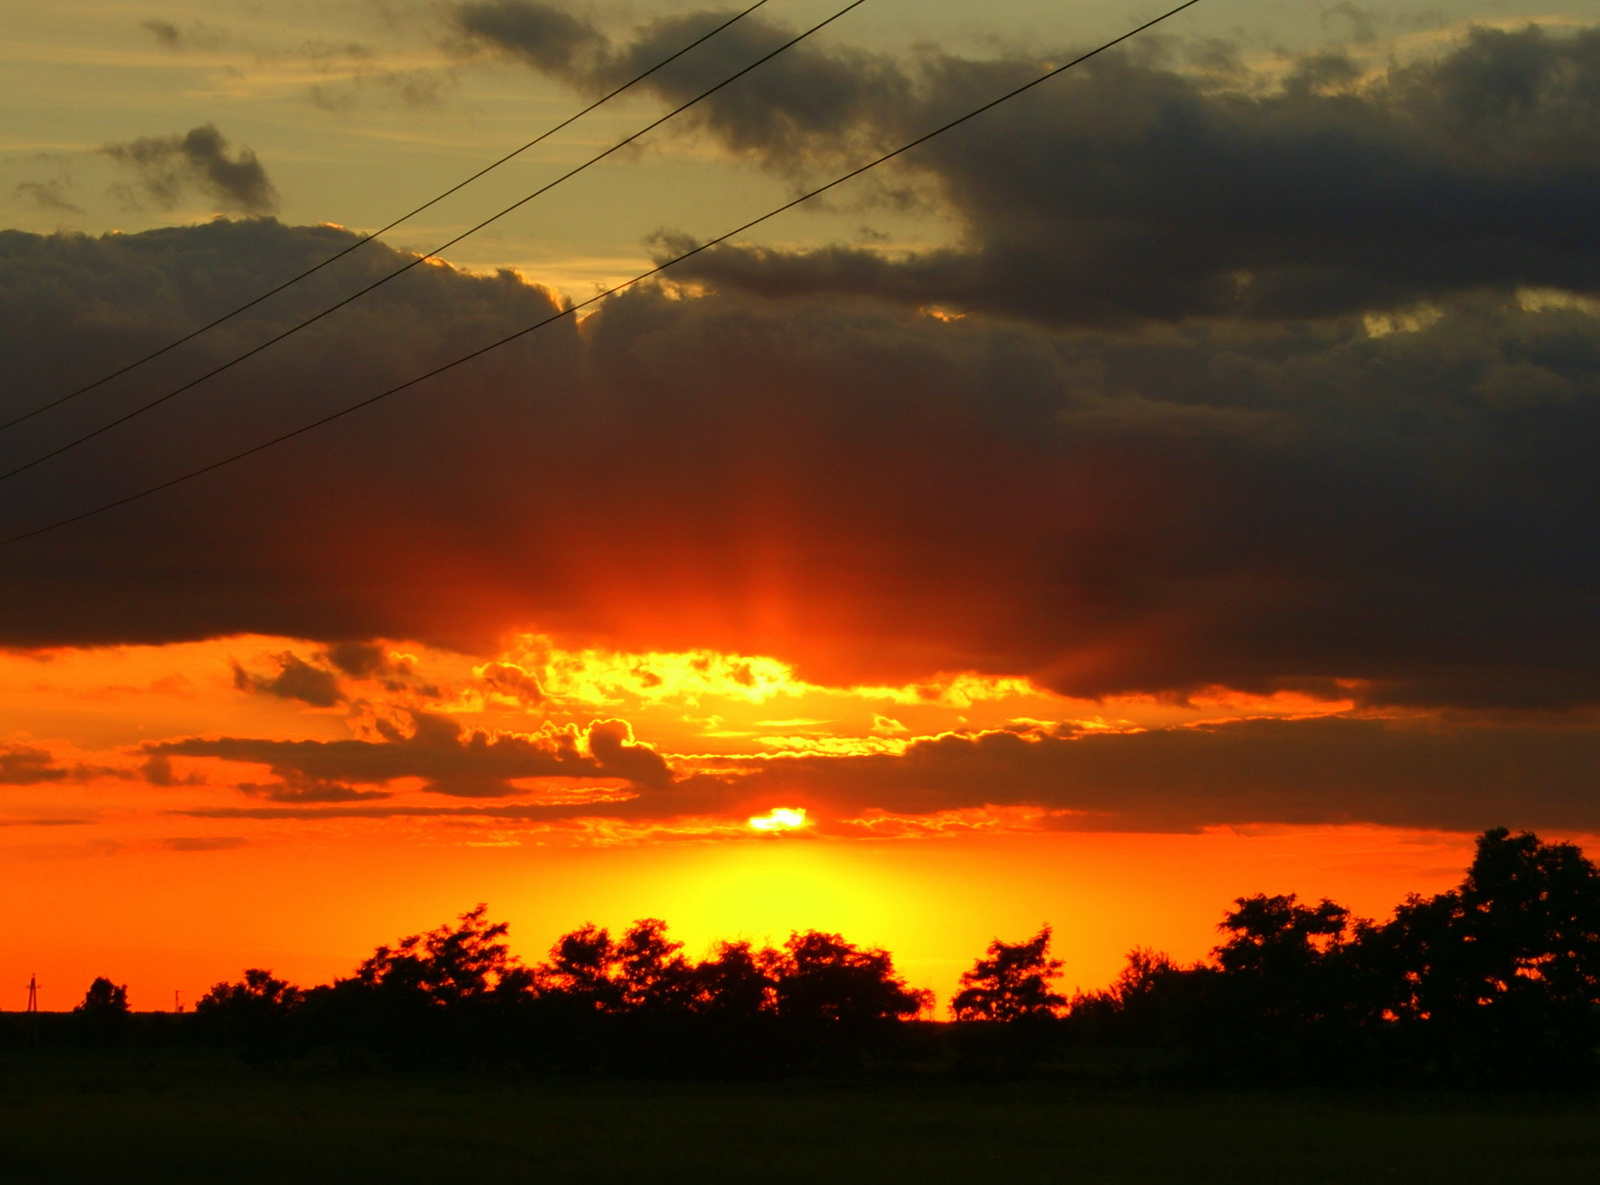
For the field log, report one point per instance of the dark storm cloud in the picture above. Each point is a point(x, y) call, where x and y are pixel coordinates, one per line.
point(1320, 771)
point(1129, 189)
point(448, 759)
point(871, 493)
point(199, 160)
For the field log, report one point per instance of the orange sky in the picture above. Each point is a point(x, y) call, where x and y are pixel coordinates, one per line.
point(170, 887)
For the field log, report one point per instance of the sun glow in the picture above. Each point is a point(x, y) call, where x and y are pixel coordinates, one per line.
point(780, 818)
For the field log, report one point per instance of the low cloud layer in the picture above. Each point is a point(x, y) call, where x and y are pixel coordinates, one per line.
point(199, 162)
point(438, 751)
point(1330, 770)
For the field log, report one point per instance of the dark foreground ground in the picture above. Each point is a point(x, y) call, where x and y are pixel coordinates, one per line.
point(188, 1116)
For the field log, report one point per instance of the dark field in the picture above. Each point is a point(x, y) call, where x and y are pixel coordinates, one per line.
point(174, 1116)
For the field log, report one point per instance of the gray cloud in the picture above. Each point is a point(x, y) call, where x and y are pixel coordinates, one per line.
point(25, 765)
point(1330, 770)
point(513, 681)
point(201, 161)
point(359, 659)
point(805, 101)
point(296, 679)
point(1130, 189)
point(157, 770)
point(204, 843)
point(296, 787)
point(165, 32)
point(450, 761)
point(48, 195)
point(1319, 771)
point(548, 38)
point(869, 492)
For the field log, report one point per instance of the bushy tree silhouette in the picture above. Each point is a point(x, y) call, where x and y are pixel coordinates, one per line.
point(102, 1016)
point(445, 966)
point(736, 982)
point(103, 999)
point(654, 974)
point(820, 978)
point(253, 1013)
point(1277, 937)
point(1495, 983)
point(583, 970)
point(1012, 983)
point(259, 993)
point(1498, 980)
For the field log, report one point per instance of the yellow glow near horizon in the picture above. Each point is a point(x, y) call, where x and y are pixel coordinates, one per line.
point(780, 818)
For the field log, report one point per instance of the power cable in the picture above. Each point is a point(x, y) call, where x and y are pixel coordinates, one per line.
point(421, 259)
point(365, 239)
point(573, 309)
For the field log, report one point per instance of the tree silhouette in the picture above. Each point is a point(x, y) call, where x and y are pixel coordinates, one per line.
point(735, 982)
point(653, 974)
point(447, 965)
point(1138, 1007)
point(253, 1013)
point(104, 999)
point(582, 970)
point(1012, 984)
point(1277, 936)
point(822, 978)
point(259, 993)
point(102, 1016)
point(1500, 977)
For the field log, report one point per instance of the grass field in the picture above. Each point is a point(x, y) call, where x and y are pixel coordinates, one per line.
point(173, 1116)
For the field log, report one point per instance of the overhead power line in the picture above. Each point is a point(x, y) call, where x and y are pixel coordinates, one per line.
point(421, 259)
point(382, 230)
point(572, 310)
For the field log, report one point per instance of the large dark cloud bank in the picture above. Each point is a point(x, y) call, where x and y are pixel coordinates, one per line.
point(1265, 384)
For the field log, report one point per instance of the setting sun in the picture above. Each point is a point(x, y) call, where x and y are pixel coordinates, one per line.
point(780, 818)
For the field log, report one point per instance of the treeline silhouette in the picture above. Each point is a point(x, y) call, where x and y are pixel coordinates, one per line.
point(1495, 984)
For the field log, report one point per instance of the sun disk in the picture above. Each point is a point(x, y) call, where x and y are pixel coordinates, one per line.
point(780, 818)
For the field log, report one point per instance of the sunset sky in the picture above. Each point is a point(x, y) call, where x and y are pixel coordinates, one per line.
point(1178, 482)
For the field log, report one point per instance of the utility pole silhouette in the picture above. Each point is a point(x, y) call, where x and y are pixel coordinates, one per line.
point(31, 1013)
